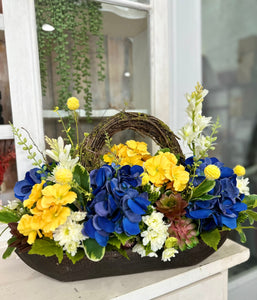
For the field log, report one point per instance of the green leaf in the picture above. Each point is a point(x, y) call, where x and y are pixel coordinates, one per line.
point(47, 248)
point(203, 188)
point(8, 216)
point(114, 241)
point(77, 257)
point(8, 252)
point(252, 216)
point(123, 237)
point(93, 250)
point(241, 234)
point(211, 238)
point(81, 176)
point(250, 201)
point(205, 197)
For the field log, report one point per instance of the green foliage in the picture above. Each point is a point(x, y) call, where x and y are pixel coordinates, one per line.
point(8, 216)
point(81, 176)
point(77, 257)
point(47, 247)
point(93, 250)
point(202, 189)
point(123, 238)
point(211, 238)
point(76, 23)
point(252, 216)
point(9, 249)
point(250, 201)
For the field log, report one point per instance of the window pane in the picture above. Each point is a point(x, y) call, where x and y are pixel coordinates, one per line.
point(5, 104)
point(229, 37)
point(127, 70)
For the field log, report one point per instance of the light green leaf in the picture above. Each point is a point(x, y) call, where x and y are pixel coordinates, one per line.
point(93, 250)
point(114, 241)
point(78, 256)
point(203, 188)
point(250, 201)
point(47, 248)
point(123, 237)
point(241, 234)
point(211, 238)
point(205, 197)
point(252, 215)
point(8, 216)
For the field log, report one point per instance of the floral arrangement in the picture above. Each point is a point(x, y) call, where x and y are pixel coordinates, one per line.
point(154, 205)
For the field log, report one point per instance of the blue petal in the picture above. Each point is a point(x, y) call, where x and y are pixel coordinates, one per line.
point(136, 170)
point(101, 208)
point(129, 227)
point(201, 213)
point(229, 222)
point(135, 207)
point(226, 172)
point(88, 229)
point(101, 240)
point(105, 224)
point(239, 207)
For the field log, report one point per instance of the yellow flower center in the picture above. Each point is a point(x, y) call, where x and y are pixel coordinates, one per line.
point(239, 170)
point(63, 176)
point(212, 172)
point(73, 103)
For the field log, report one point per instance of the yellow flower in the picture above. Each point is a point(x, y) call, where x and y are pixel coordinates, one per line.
point(171, 242)
point(156, 167)
point(57, 194)
point(35, 195)
point(145, 178)
point(239, 170)
point(171, 157)
point(179, 176)
point(137, 148)
point(73, 103)
point(54, 217)
point(212, 172)
point(29, 226)
point(63, 175)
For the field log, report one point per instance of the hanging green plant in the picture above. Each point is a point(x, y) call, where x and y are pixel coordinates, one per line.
point(75, 23)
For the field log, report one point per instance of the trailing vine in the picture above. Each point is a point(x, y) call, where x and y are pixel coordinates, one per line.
point(74, 22)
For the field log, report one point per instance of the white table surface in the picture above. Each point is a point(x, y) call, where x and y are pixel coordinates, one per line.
point(18, 281)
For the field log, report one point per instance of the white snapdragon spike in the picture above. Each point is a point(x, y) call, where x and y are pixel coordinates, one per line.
point(201, 122)
point(167, 254)
point(187, 133)
point(242, 185)
point(13, 204)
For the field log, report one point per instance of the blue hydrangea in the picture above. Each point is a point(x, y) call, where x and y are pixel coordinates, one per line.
point(223, 209)
point(22, 188)
point(117, 205)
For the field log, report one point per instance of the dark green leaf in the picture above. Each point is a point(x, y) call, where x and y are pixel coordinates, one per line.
point(114, 241)
point(47, 248)
point(8, 252)
point(205, 197)
point(77, 257)
point(93, 250)
point(211, 238)
point(8, 216)
point(81, 176)
point(203, 188)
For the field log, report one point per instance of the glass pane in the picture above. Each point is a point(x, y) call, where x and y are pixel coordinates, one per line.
point(229, 46)
point(5, 104)
point(8, 172)
point(127, 70)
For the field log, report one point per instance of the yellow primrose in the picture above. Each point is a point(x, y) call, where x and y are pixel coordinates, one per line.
point(29, 226)
point(57, 194)
point(137, 147)
point(239, 170)
point(145, 178)
point(73, 103)
point(171, 157)
point(156, 167)
point(35, 195)
point(179, 177)
point(54, 217)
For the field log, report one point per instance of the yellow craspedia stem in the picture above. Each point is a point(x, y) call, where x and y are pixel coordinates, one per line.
point(63, 176)
point(73, 103)
point(212, 172)
point(239, 170)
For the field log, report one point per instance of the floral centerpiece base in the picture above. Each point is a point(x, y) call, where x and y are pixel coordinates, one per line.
point(114, 264)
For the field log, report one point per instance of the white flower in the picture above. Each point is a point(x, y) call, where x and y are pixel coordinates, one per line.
point(138, 248)
point(78, 216)
point(187, 133)
point(201, 122)
point(168, 253)
point(154, 220)
point(155, 238)
point(71, 247)
point(242, 185)
point(13, 204)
